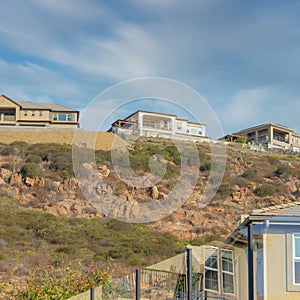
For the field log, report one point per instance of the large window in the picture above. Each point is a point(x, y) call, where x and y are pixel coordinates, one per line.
point(211, 267)
point(296, 259)
point(227, 271)
point(219, 270)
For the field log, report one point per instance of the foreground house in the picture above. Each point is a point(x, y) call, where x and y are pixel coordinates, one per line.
point(270, 135)
point(212, 273)
point(13, 113)
point(155, 124)
point(268, 243)
point(260, 260)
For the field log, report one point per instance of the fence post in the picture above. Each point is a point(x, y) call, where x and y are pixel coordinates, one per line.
point(189, 272)
point(137, 285)
point(92, 293)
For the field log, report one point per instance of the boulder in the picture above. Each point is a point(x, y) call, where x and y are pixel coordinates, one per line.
point(104, 171)
point(16, 179)
point(5, 173)
point(154, 192)
point(29, 181)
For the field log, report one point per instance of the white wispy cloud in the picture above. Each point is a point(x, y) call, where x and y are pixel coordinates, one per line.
point(74, 49)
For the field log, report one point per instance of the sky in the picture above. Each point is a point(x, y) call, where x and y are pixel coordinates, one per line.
point(242, 57)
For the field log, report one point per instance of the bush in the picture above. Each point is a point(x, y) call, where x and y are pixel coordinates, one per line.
point(34, 159)
point(32, 170)
point(225, 189)
point(283, 170)
point(15, 148)
point(265, 190)
point(250, 174)
point(63, 282)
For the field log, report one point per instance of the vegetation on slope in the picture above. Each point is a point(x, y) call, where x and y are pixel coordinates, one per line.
point(32, 240)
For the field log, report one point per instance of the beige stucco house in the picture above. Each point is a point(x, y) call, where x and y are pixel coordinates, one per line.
point(267, 244)
point(147, 123)
point(270, 134)
point(25, 113)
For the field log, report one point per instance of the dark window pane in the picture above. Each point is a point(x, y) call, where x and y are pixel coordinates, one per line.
point(297, 246)
point(297, 272)
point(212, 261)
point(227, 260)
point(211, 280)
point(228, 285)
point(62, 117)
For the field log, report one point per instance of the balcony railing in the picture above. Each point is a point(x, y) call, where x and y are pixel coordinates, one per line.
point(9, 118)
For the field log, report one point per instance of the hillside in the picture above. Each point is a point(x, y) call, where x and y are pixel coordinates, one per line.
point(45, 219)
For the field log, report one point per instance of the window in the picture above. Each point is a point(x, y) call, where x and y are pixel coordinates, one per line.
point(293, 260)
point(41, 113)
point(296, 258)
point(211, 269)
point(62, 117)
point(149, 124)
point(219, 270)
point(33, 113)
point(69, 117)
point(227, 271)
point(179, 125)
point(54, 117)
point(25, 113)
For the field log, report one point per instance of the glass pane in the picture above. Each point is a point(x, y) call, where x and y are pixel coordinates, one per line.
point(211, 280)
point(212, 262)
point(297, 272)
point(228, 286)
point(227, 259)
point(62, 117)
point(297, 246)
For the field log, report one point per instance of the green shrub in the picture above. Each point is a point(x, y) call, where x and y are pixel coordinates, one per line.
point(34, 159)
point(32, 170)
point(273, 160)
point(63, 282)
point(250, 174)
point(225, 189)
point(283, 170)
point(265, 190)
point(18, 148)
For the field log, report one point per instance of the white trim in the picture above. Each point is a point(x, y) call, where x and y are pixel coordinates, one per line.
point(227, 272)
point(265, 265)
point(295, 259)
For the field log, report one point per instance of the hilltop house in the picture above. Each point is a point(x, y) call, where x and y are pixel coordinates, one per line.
point(271, 135)
point(268, 265)
point(146, 123)
point(13, 113)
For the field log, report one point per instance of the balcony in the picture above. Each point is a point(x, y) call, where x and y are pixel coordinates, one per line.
point(9, 118)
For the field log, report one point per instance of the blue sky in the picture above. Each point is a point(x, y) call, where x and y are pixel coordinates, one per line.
point(243, 57)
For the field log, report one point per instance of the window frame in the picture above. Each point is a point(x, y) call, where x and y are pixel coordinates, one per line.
point(290, 266)
point(295, 258)
point(227, 272)
point(207, 268)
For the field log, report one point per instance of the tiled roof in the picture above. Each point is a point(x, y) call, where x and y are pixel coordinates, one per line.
point(47, 106)
point(288, 209)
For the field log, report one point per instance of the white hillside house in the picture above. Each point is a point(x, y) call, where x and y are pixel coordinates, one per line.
point(146, 123)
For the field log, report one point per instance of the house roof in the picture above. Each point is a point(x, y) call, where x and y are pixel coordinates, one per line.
point(45, 106)
point(264, 125)
point(40, 105)
point(285, 214)
point(15, 102)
